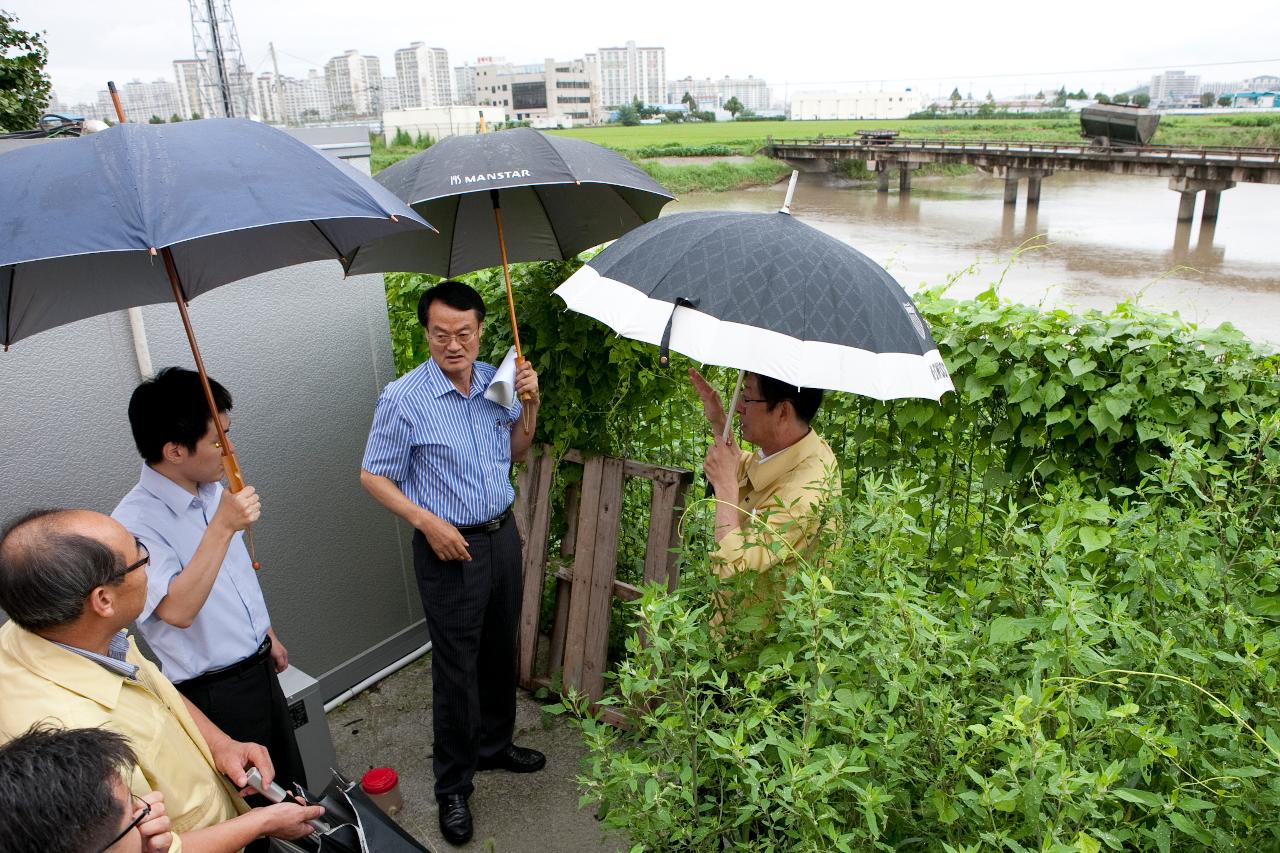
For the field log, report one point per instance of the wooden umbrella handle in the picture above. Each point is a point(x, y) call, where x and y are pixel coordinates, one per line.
point(230, 463)
point(511, 302)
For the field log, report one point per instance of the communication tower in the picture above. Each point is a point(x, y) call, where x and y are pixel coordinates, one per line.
point(225, 84)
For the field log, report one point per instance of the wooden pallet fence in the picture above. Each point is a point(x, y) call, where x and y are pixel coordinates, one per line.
point(585, 589)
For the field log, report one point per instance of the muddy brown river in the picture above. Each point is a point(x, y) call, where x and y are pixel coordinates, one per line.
point(1102, 239)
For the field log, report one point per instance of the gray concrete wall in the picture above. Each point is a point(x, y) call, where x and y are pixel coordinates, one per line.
point(304, 354)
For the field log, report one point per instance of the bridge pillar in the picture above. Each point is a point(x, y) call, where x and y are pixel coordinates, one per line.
point(1188, 187)
point(904, 177)
point(1033, 190)
point(881, 168)
point(1011, 189)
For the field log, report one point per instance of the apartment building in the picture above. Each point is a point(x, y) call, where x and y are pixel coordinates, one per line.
point(424, 76)
point(355, 84)
point(141, 101)
point(711, 94)
point(464, 84)
point(631, 72)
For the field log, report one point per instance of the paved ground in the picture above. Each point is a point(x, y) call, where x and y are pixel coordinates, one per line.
point(389, 725)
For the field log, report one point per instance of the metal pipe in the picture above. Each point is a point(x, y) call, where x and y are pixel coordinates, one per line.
point(385, 672)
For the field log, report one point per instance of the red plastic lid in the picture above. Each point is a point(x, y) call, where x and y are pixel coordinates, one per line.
point(379, 780)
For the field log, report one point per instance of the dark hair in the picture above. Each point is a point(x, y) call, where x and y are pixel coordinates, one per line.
point(805, 401)
point(455, 294)
point(58, 791)
point(47, 572)
point(171, 406)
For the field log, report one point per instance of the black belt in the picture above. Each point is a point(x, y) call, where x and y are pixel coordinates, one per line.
point(214, 675)
point(492, 526)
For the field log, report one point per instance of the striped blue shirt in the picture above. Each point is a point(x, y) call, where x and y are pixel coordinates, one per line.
point(449, 454)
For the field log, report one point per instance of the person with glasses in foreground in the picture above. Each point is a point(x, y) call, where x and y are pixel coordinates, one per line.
point(769, 501)
point(439, 456)
point(62, 791)
point(71, 581)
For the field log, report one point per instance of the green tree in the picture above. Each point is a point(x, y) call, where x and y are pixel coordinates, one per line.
point(1102, 98)
point(690, 101)
point(990, 98)
point(1207, 99)
point(1120, 98)
point(1142, 99)
point(155, 120)
point(197, 116)
point(955, 94)
point(628, 115)
point(175, 118)
point(24, 85)
point(1224, 101)
point(1040, 95)
point(733, 106)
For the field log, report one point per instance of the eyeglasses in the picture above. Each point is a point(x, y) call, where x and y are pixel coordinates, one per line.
point(745, 400)
point(146, 558)
point(133, 824)
point(442, 339)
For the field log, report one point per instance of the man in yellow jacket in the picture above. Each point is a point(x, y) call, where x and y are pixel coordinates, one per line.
point(70, 582)
point(769, 501)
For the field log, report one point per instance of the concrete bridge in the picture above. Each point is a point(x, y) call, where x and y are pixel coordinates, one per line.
point(1190, 170)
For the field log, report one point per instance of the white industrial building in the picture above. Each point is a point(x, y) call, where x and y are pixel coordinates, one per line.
point(855, 105)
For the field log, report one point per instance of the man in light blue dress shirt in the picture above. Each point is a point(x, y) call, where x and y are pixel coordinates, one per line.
point(205, 617)
point(439, 456)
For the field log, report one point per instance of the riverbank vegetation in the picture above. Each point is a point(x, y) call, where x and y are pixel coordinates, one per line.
point(1239, 129)
point(1047, 615)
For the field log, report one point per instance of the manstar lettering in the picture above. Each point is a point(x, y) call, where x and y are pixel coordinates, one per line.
point(455, 180)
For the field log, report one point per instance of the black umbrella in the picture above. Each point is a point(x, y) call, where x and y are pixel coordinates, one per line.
point(516, 195)
point(766, 293)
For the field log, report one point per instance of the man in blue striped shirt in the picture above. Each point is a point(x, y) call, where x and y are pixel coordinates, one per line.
point(439, 456)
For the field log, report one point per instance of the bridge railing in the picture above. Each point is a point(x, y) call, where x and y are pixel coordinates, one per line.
point(1214, 154)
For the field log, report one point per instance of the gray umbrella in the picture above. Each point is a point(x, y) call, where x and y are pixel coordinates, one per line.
point(516, 195)
point(148, 213)
point(766, 293)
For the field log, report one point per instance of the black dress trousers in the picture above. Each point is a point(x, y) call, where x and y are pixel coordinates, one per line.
point(473, 612)
point(250, 706)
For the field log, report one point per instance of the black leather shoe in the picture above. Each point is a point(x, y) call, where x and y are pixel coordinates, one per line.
point(455, 819)
point(514, 759)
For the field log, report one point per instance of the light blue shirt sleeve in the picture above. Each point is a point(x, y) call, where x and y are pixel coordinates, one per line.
point(388, 449)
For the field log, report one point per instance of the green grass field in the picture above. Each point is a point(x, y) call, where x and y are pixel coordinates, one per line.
point(1261, 130)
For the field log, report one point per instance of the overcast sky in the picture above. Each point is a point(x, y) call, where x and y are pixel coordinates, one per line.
point(1007, 47)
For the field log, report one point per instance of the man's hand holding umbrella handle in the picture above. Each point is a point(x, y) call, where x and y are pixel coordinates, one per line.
point(237, 510)
point(443, 537)
point(721, 468)
point(712, 406)
point(527, 389)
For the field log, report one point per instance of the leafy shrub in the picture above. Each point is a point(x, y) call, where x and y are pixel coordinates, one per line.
point(1100, 674)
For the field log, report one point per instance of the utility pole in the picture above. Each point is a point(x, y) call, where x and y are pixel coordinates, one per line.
point(276, 85)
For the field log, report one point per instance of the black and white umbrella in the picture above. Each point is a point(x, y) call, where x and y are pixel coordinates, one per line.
point(766, 293)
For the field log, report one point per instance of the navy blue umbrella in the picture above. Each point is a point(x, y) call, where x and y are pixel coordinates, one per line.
point(148, 213)
point(89, 225)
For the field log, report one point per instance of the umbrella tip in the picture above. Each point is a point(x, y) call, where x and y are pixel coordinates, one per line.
point(153, 251)
point(393, 218)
